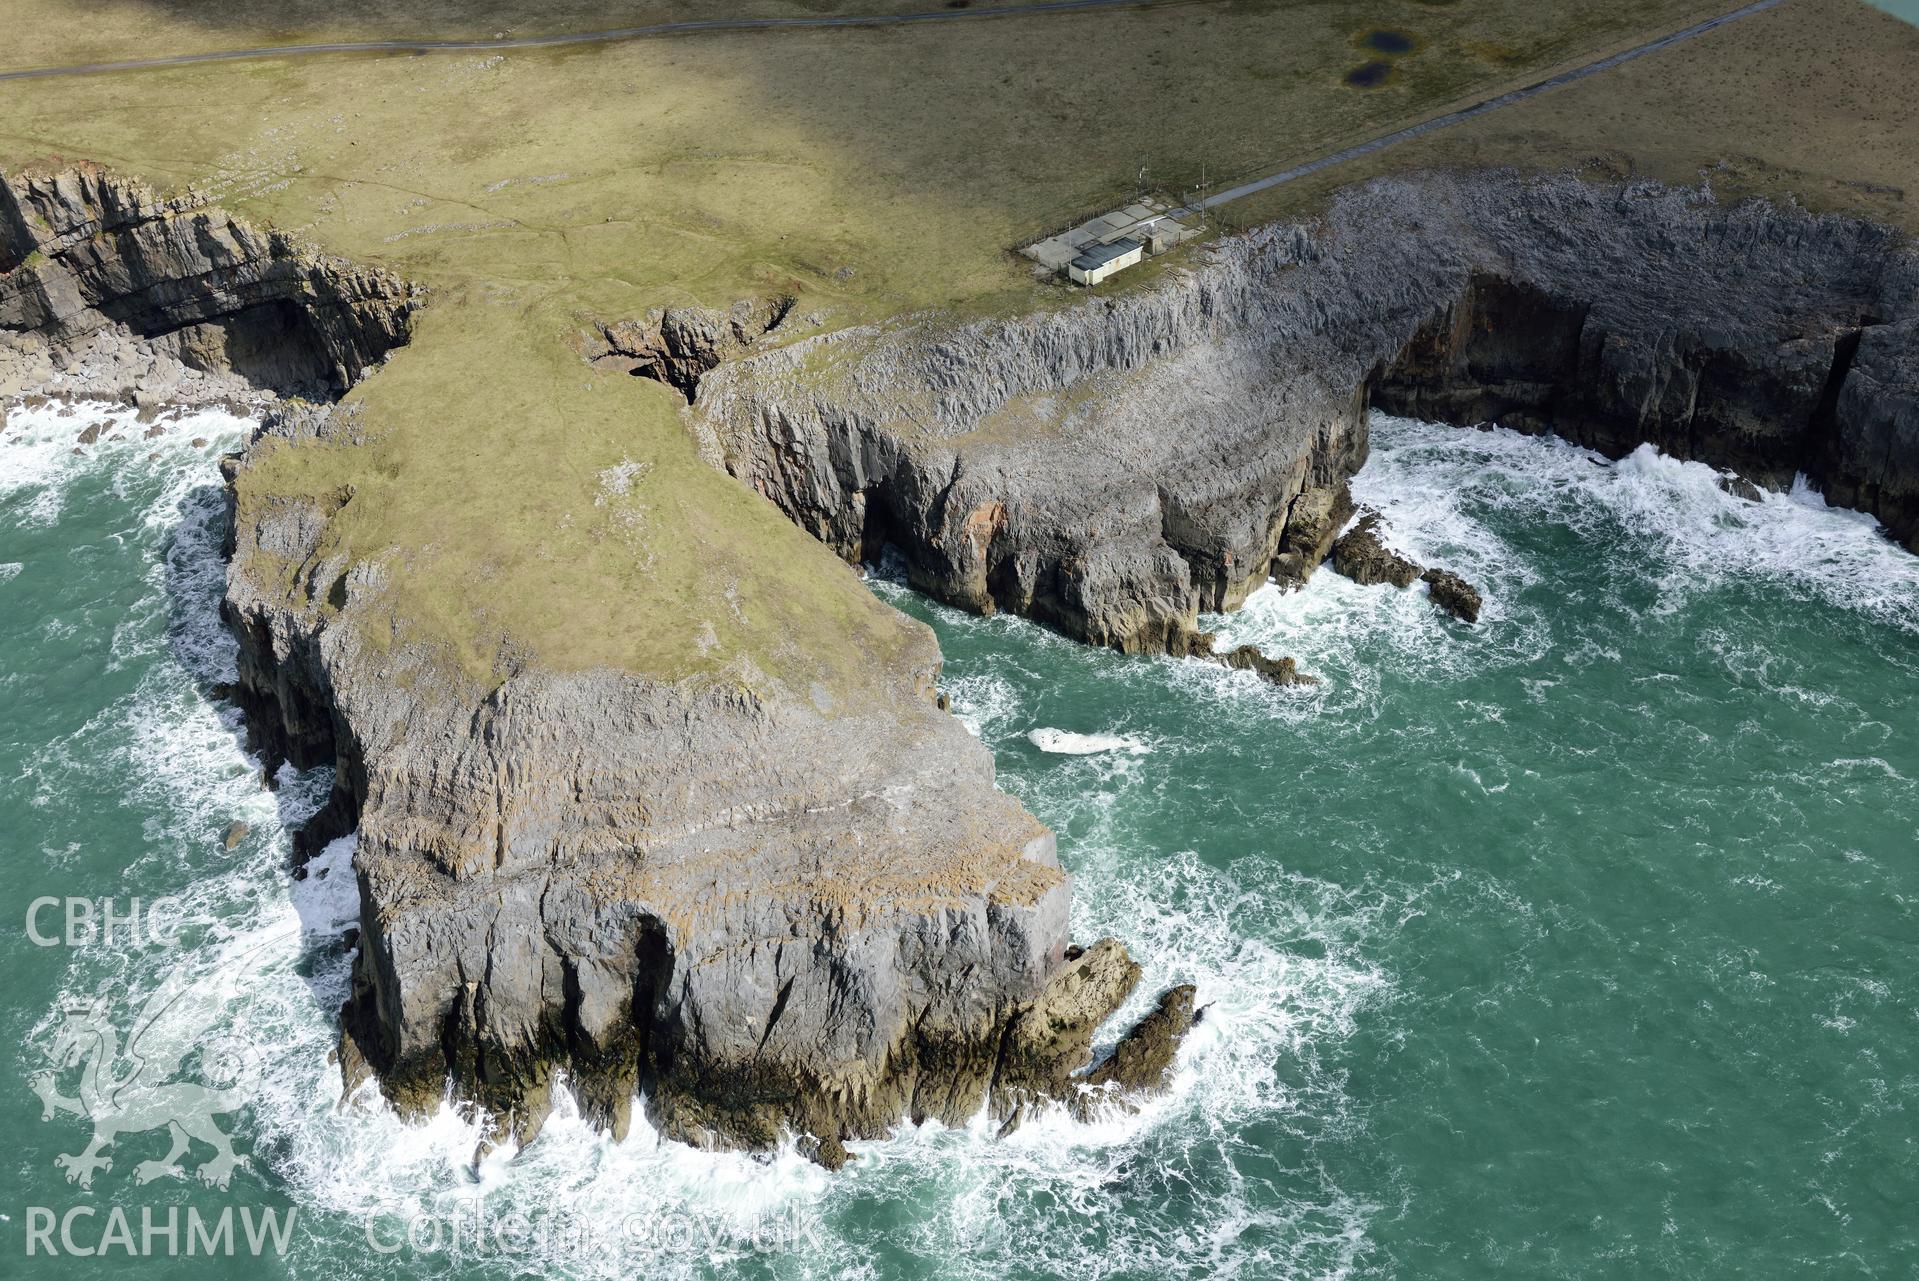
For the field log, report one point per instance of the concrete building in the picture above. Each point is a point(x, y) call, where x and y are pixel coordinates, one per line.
point(1101, 261)
point(1149, 227)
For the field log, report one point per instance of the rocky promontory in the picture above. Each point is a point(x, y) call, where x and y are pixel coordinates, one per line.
point(1113, 465)
point(772, 904)
point(768, 908)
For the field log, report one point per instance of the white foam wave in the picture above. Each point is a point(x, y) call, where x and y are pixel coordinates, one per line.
point(983, 702)
point(1281, 961)
point(42, 455)
point(1505, 510)
point(1437, 486)
point(272, 951)
point(1061, 742)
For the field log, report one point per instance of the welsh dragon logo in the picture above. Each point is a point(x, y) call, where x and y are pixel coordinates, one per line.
point(132, 1088)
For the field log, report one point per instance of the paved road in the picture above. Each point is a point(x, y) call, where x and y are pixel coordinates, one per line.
point(1477, 109)
point(580, 37)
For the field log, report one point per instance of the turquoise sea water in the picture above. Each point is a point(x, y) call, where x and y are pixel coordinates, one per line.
point(1577, 944)
point(1907, 9)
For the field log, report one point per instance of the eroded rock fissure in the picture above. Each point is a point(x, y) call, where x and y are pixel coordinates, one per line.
point(679, 345)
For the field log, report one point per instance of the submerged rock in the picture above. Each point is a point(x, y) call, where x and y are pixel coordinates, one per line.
point(1243, 658)
point(1362, 555)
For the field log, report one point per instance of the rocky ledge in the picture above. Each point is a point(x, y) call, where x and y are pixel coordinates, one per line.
point(1115, 465)
point(1362, 555)
point(767, 910)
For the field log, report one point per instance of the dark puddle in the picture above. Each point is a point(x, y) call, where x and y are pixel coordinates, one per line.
point(1369, 75)
point(1390, 42)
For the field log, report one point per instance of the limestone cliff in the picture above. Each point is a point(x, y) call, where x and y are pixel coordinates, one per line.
point(771, 908)
point(1114, 465)
point(92, 265)
point(766, 909)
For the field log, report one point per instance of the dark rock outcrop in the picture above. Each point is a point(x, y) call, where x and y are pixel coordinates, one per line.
point(1241, 658)
point(1141, 1063)
point(1453, 594)
point(1116, 465)
point(1049, 1045)
point(1361, 556)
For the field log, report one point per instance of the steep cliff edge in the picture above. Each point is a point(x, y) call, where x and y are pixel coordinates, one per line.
point(1115, 465)
point(767, 904)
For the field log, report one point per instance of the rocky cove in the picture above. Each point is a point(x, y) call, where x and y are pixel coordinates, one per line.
point(1116, 465)
point(790, 914)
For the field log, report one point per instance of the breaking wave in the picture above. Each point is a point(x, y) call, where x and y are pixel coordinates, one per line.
point(1066, 743)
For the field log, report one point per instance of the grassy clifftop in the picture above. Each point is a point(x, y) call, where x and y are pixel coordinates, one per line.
point(524, 507)
point(526, 503)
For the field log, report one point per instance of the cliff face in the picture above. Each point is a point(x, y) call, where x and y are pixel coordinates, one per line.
point(95, 265)
point(768, 909)
point(1115, 465)
point(771, 908)
point(763, 910)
